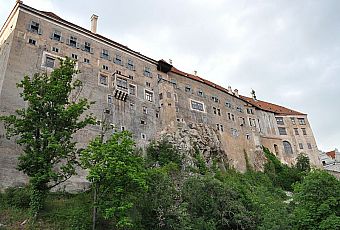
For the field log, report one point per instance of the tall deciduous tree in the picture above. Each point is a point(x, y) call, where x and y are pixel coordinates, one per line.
point(45, 129)
point(117, 174)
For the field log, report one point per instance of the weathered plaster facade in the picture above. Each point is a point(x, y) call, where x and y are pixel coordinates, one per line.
point(134, 92)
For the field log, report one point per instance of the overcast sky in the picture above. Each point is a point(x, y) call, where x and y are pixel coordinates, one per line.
point(287, 51)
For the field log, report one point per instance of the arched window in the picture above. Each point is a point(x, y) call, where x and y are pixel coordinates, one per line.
point(276, 149)
point(287, 147)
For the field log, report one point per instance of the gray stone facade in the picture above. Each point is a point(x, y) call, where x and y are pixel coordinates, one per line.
point(134, 92)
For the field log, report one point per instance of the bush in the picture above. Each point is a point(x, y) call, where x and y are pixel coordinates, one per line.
point(17, 197)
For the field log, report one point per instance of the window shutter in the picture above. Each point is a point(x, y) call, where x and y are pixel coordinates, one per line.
point(77, 45)
point(82, 47)
point(101, 55)
point(68, 41)
point(134, 68)
point(122, 63)
point(62, 39)
point(109, 58)
point(91, 50)
point(40, 30)
point(51, 36)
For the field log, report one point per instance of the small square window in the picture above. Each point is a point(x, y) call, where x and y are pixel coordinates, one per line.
point(147, 84)
point(130, 65)
point(143, 136)
point(309, 145)
point(279, 120)
point(105, 67)
point(302, 121)
point(86, 60)
point(122, 128)
point(304, 131)
point(55, 49)
point(142, 122)
point(32, 41)
point(282, 131)
point(74, 56)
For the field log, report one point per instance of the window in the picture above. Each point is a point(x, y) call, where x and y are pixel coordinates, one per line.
point(276, 149)
point(145, 110)
point(200, 93)
point(228, 104)
point(248, 136)
point(142, 122)
point(292, 119)
point(296, 131)
point(35, 27)
point(118, 60)
point(103, 80)
point(109, 99)
point(175, 97)
point(215, 99)
point(287, 147)
point(87, 47)
point(250, 111)
point(234, 132)
point(304, 131)
point(219, 112)
point(300, 145)
point(149, 96)
point(157, 115)
point(168, 94)
point(73, 41)
point(221, 128)
point(32, 41)
point(302, 121)
point(132, 89)
point(147, 84)
point(55, 49)
point(56, 36)
point(74, 56)
point(282, 131)
point(279, 120)
point(195, 105)
point(143, 136)
point(130, 77)
point(105, 67)
point(214, 110)
point(86, 60)
point(188, 88)
point(160, 96)
point(232, 117)
point(147, 72)
point(49, 62)
point(242, 121)
point(121, 83)
point(122, 128)
point(309, 145)
point(105, 54)
point(130, 65)
point(239, 109)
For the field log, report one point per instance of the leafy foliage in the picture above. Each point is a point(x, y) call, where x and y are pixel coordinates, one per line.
point(162, 153)
point(45, 129)
point(317, 202)
point(117, 175)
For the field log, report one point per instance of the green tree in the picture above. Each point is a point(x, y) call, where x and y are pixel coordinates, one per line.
point(117, 175)
point(45, 129)
point(302, 163)
point(317, 202)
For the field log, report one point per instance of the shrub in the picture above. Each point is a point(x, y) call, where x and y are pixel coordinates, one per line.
point(17, 197)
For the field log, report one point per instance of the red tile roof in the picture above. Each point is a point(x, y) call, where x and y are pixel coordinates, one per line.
point(331, 154)
point(277, 109)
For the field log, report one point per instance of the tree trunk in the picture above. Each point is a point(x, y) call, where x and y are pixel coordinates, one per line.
point(94, 212)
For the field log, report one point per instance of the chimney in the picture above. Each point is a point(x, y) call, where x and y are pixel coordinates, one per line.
point(236, 92)
point(230, 90)
point(94, 19)
point(195, 72)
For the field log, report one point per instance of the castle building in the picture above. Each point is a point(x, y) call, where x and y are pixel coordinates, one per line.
point(137, 93)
